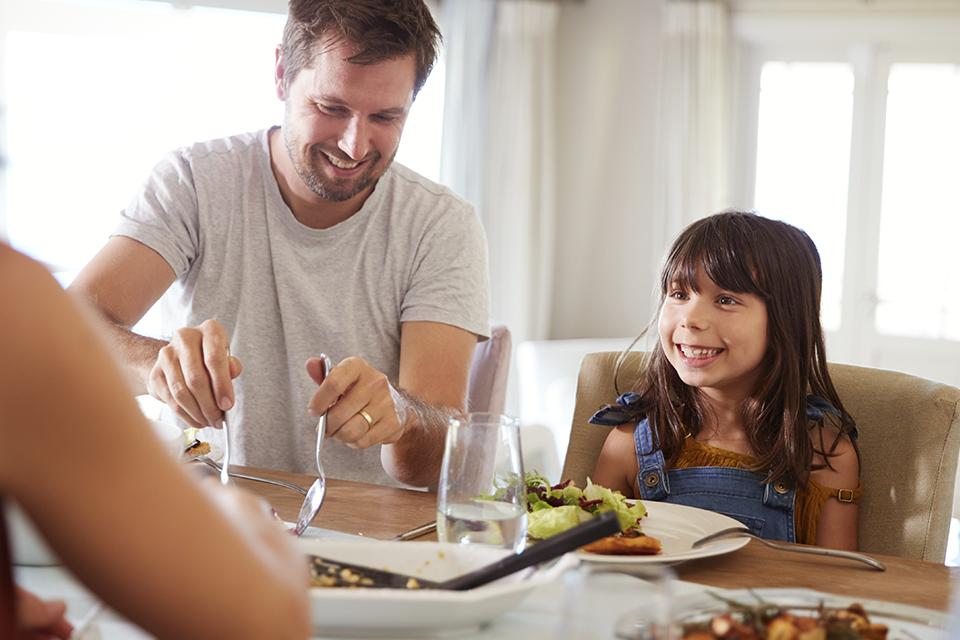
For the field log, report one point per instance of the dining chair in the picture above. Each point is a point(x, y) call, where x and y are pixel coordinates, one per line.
point(487, 391)
point(909, 440)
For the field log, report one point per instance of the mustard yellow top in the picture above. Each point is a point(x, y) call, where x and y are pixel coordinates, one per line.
point(810, 499)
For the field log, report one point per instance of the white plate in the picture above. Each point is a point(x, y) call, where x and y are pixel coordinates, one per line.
point(417, 613)
point(904, 621)
point(677, 527)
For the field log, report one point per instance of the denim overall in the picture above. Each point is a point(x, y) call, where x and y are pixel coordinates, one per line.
point(767, 509)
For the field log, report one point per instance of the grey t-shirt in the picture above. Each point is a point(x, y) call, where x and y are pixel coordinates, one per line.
point(285, 292)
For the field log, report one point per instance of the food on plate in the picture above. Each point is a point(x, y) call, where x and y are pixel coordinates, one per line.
point(625, 545)
point(196, 447)
point(553, 509)
point(770, 622)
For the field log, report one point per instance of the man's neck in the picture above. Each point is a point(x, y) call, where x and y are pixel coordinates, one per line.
point(308, 208)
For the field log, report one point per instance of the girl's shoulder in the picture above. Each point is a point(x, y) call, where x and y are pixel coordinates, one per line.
point(837, 455)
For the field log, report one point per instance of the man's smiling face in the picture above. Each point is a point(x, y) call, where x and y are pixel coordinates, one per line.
point(342, 121)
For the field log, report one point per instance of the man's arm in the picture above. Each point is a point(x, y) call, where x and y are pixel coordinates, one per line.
point(435, 361)
point(192, 373)
point(411, 422)
point(123, 281)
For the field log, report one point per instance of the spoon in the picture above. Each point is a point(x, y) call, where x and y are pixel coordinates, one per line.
point(311, 504)
point(739, 531)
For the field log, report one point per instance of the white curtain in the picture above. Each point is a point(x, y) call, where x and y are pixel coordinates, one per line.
point(498, 146)
point(693, 156)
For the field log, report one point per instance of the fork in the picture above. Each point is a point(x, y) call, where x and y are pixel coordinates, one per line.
point(280, 483)
point(742, 531)
point(313, 500)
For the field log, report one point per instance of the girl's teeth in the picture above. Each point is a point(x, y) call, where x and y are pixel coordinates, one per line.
point(699, 353)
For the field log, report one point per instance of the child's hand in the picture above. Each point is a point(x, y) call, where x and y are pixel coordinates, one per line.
point(41, 620)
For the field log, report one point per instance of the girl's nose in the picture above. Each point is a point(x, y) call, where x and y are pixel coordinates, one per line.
point(694, 316)
point(353, 140)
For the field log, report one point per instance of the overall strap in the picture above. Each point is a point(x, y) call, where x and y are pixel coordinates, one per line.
point(652, 477)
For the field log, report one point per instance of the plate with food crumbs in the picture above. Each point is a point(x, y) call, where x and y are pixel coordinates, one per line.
point(677, 527)
point(417, 613)
point(719, 613)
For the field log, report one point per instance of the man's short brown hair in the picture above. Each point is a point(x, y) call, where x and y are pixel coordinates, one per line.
point(379, 29)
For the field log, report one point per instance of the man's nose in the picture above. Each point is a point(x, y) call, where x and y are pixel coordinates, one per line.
point(353, 139)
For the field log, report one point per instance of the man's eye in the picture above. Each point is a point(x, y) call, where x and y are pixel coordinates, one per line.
point(333, 111)
point(382, 119)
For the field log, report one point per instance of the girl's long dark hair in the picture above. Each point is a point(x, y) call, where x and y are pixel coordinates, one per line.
point(746, 253)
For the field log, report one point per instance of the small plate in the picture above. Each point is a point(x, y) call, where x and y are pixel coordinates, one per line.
point(402, 613)
point(904, 621)
point(677, 527)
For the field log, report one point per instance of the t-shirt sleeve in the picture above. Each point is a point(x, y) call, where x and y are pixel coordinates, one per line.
point(449, 283)
point(163, 214)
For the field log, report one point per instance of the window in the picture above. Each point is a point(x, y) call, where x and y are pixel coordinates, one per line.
point(920, 207)
point(90, 110)
point(803, 156)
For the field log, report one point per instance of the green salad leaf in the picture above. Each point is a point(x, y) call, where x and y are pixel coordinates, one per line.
point(553, 509)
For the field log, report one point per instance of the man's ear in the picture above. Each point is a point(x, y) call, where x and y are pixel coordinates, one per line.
point(278, 72)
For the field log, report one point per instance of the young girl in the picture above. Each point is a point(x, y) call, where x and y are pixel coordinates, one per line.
point(721, 418)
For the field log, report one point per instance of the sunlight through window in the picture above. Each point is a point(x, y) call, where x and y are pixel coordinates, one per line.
point(803, 158)
point(920, 211)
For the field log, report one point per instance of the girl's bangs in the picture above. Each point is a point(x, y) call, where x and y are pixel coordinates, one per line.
point(729, 266)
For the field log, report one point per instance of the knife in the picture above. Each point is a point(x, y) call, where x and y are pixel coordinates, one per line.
point(352, 575)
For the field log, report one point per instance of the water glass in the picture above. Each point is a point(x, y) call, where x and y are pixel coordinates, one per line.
point(628, 603)
point(482, 493)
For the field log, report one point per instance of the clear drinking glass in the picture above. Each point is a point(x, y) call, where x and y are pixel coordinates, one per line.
point(631, 602)
point(482, 494)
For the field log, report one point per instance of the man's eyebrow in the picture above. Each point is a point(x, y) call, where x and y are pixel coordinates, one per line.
point(392, 111)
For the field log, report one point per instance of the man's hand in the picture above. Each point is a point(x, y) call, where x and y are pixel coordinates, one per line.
point(362, 412)
point(41, 620)
point(194, 375)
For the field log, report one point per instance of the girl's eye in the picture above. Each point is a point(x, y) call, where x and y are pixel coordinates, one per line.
point(726, 300)
point(677, 295)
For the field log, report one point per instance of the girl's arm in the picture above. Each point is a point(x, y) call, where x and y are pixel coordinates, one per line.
point(838, 524)
point(131, 523)
point(617, 467)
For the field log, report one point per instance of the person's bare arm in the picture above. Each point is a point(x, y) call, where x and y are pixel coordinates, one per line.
point(617, 466)
point(123, 281)
point(136, 522)
point(192, 373)
point(411, 420)
point(837, 528)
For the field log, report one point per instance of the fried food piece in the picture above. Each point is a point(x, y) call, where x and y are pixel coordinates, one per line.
point(619, 545)
point(199, 449)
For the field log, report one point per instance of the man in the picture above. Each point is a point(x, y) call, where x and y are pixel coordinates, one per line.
point(282, 244)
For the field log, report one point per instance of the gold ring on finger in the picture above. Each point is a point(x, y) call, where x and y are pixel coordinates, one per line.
point(366, 416)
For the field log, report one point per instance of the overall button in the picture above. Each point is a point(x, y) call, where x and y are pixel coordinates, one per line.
point(781, 486)
point(652, 479)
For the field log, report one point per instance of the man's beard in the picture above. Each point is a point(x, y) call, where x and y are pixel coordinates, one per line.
point(337, 189)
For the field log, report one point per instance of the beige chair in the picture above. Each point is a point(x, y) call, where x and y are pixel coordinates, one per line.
point(490, 371)
point(909, 440)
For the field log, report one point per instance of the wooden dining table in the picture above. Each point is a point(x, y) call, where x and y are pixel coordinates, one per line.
point(382, 513)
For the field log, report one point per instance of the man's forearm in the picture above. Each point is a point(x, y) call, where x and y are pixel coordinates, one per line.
point(415, 459)
point(136, 354)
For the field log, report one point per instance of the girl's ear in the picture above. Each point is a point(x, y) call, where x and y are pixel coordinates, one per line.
point(278, 73)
